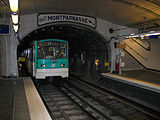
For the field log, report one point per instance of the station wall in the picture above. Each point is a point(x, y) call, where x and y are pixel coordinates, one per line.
point(148, 58)
point(8, 53)
point(28, 23)
point(129, 62)
point(3, 58)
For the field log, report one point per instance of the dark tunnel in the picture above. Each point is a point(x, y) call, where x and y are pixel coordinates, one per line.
point(85, 46)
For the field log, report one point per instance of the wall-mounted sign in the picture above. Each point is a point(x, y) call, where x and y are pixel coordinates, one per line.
point(4, 29)
point(50, 18)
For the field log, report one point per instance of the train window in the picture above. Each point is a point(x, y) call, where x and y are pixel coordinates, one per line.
point(52, 49)
point(62, 51)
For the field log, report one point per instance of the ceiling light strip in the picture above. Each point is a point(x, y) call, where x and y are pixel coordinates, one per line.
point(14, 9)
point(13, 6)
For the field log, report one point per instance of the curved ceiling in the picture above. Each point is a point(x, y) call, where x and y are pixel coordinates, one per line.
point(75, 34)
point(141, 14)
point(79, 38)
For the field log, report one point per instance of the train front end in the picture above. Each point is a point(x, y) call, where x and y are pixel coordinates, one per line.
point(51, 58)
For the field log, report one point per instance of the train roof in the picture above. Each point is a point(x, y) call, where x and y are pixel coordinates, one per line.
point(51, 40)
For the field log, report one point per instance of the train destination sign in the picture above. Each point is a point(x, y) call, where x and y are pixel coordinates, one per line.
point(50, 18)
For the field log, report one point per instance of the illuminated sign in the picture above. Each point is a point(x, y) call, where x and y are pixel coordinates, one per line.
point(4, 29)
point(52, 18)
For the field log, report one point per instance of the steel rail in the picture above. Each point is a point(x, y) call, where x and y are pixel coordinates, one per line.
point(51, 101)
point(54, 105)
point(108, 106)
point(96, 88)
point(87, 104)
point(86, 112)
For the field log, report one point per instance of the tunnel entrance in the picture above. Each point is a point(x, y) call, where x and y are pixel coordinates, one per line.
point(88, 52)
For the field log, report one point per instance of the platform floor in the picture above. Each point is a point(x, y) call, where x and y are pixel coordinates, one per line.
point(20, 109)
point(141, 86)
point(20, 100)
point(148, 76)
point(141, 78)
point(6, 98)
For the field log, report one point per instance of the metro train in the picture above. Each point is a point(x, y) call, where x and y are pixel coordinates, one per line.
point(47, 58)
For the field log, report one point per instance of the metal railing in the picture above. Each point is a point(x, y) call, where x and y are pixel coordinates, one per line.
point(146, 48)
point(135, 51)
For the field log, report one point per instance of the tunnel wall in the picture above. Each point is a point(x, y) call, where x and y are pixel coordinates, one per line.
point(28, 23)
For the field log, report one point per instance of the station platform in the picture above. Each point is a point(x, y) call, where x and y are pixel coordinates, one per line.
point(20, 100)
point(142, 86)
point(141, 78)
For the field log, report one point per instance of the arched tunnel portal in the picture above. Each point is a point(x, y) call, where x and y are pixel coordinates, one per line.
point(85, 46)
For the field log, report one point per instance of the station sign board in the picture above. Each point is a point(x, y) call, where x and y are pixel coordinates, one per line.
point(54, 18)
point(4, 29)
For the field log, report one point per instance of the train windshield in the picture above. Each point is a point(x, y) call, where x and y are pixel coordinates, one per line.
point(52, 50)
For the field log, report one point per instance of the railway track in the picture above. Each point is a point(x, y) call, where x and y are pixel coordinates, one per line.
point(79, 100)
point(60, 106)
point(115, 104)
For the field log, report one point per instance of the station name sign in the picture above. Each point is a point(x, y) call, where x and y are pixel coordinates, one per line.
point(52, 18)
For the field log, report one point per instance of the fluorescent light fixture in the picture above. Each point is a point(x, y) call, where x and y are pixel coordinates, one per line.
point(144, 34)
point(13, 5)
point(15, 27)
point(132, 36)
point(156, 33)
point(14, 19)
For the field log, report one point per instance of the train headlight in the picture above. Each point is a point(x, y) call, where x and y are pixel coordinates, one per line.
point(62, 65)
point(43, 65)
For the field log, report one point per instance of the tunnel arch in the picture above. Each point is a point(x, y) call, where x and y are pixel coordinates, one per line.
point(61, 31)
point(81, 38)
point(63, 25)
